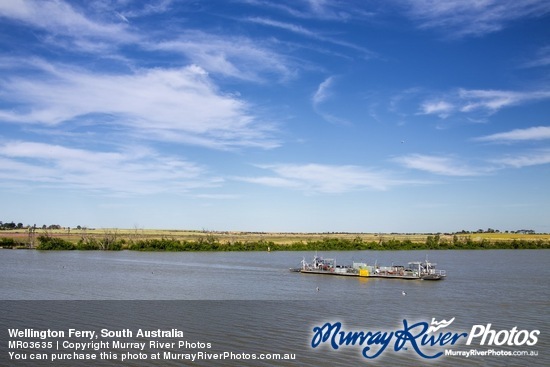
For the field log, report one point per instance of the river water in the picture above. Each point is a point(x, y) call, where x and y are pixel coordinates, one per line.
point(231, 298)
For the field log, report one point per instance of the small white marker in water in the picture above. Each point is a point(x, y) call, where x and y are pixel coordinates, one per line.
point(404, 293)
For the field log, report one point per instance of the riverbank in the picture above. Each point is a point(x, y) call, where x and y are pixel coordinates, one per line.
point(114, 240)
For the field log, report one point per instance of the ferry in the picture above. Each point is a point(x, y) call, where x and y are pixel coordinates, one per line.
point(416, 270)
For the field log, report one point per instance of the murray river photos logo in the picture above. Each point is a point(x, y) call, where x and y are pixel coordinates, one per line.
point(428, 340)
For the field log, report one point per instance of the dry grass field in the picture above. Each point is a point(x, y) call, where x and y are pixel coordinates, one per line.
point(74, 235)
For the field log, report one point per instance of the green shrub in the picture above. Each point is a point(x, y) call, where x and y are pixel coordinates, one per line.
point(9, 243)
point(54, 243)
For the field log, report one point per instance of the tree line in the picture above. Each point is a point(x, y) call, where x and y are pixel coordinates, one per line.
point(12, 225)
point(211, 243)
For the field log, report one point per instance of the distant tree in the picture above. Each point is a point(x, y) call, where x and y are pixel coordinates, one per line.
point(433, 241)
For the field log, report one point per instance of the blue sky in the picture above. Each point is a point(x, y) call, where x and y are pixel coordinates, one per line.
point(298, 116)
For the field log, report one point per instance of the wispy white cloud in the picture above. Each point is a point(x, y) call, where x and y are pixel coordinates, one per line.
point(455, 167)
point(440, 108)
point(317, 9)
point(535, 158)
point(298, 29)
point(132, 171)
point(494, 100)
point(439, 165)
point(323, 91)
point(485, 101)
point(322, 95)
point(325, 179)
point(143, 9)
point(60, 19)
point(542, 58)
point(473, 17)
point(180, 105)
point(234, 56)
point(122, 17)
point(77, 30)
point(531, 133)
point(333, 10)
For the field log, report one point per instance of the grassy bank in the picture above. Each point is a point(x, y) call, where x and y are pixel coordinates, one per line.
point(140, 240)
